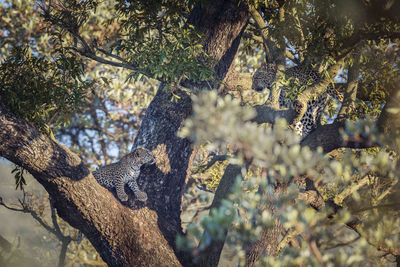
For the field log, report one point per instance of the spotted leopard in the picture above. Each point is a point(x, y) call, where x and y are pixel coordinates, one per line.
point(126, 171)
point(265, 76)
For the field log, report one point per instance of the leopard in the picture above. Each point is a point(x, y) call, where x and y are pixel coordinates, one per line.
point(265, 76)
point(125, 171)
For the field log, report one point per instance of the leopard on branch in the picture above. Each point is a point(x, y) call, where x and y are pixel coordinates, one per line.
point(265, 77)
point(125, 171)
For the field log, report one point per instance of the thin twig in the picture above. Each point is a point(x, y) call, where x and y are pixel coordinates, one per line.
point(345, 243)
point(290, 234)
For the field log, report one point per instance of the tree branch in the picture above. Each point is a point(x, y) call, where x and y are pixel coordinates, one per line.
point(262, 27)
point(211, 254)
point(372, 241)
point(121, 239)
point(26, 209)
point(301, 33)
point(350, 92)
point(329, 137)
point(93, 56)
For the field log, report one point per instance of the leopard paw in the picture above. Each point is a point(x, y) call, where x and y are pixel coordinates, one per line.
point(123, 197)
point(141, 196)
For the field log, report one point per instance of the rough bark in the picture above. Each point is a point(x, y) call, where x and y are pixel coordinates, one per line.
point(268, 241)
point(165, 182)
point(329, 137)
point(122, 236)
point(221, 24)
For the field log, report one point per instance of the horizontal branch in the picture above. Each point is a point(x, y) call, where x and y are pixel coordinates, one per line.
point(266, 114)
point(329, 137)
point(262, 27)
point(91, 55)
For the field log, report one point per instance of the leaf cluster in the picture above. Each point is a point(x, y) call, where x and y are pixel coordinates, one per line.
point(41, 91)
point(160, 43)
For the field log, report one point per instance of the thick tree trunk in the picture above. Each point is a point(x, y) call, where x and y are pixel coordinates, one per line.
point(221, 24)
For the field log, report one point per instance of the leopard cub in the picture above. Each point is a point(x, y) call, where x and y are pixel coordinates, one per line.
point(126, 171)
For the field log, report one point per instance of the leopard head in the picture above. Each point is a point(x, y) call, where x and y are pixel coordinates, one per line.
point(264, 77)
point(143, 155)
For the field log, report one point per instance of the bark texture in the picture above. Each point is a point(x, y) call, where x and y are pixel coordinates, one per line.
point(221, 24)
point(122, 236)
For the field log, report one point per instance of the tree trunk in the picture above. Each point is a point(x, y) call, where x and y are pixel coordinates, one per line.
point(165, 184)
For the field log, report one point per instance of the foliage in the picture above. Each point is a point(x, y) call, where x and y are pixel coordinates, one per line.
point(41, 91)
point(379, 76)
point(161, 43)
point(287, 160)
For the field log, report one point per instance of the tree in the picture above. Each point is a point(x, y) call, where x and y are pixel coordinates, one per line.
point(190, 48)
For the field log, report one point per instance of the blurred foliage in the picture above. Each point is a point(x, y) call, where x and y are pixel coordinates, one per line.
point(376, 175)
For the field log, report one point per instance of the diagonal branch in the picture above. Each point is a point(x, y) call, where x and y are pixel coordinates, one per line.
point(26, 209)
point(81, 201)
point(350, 92)
point(93, 56)
point(262, 27)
